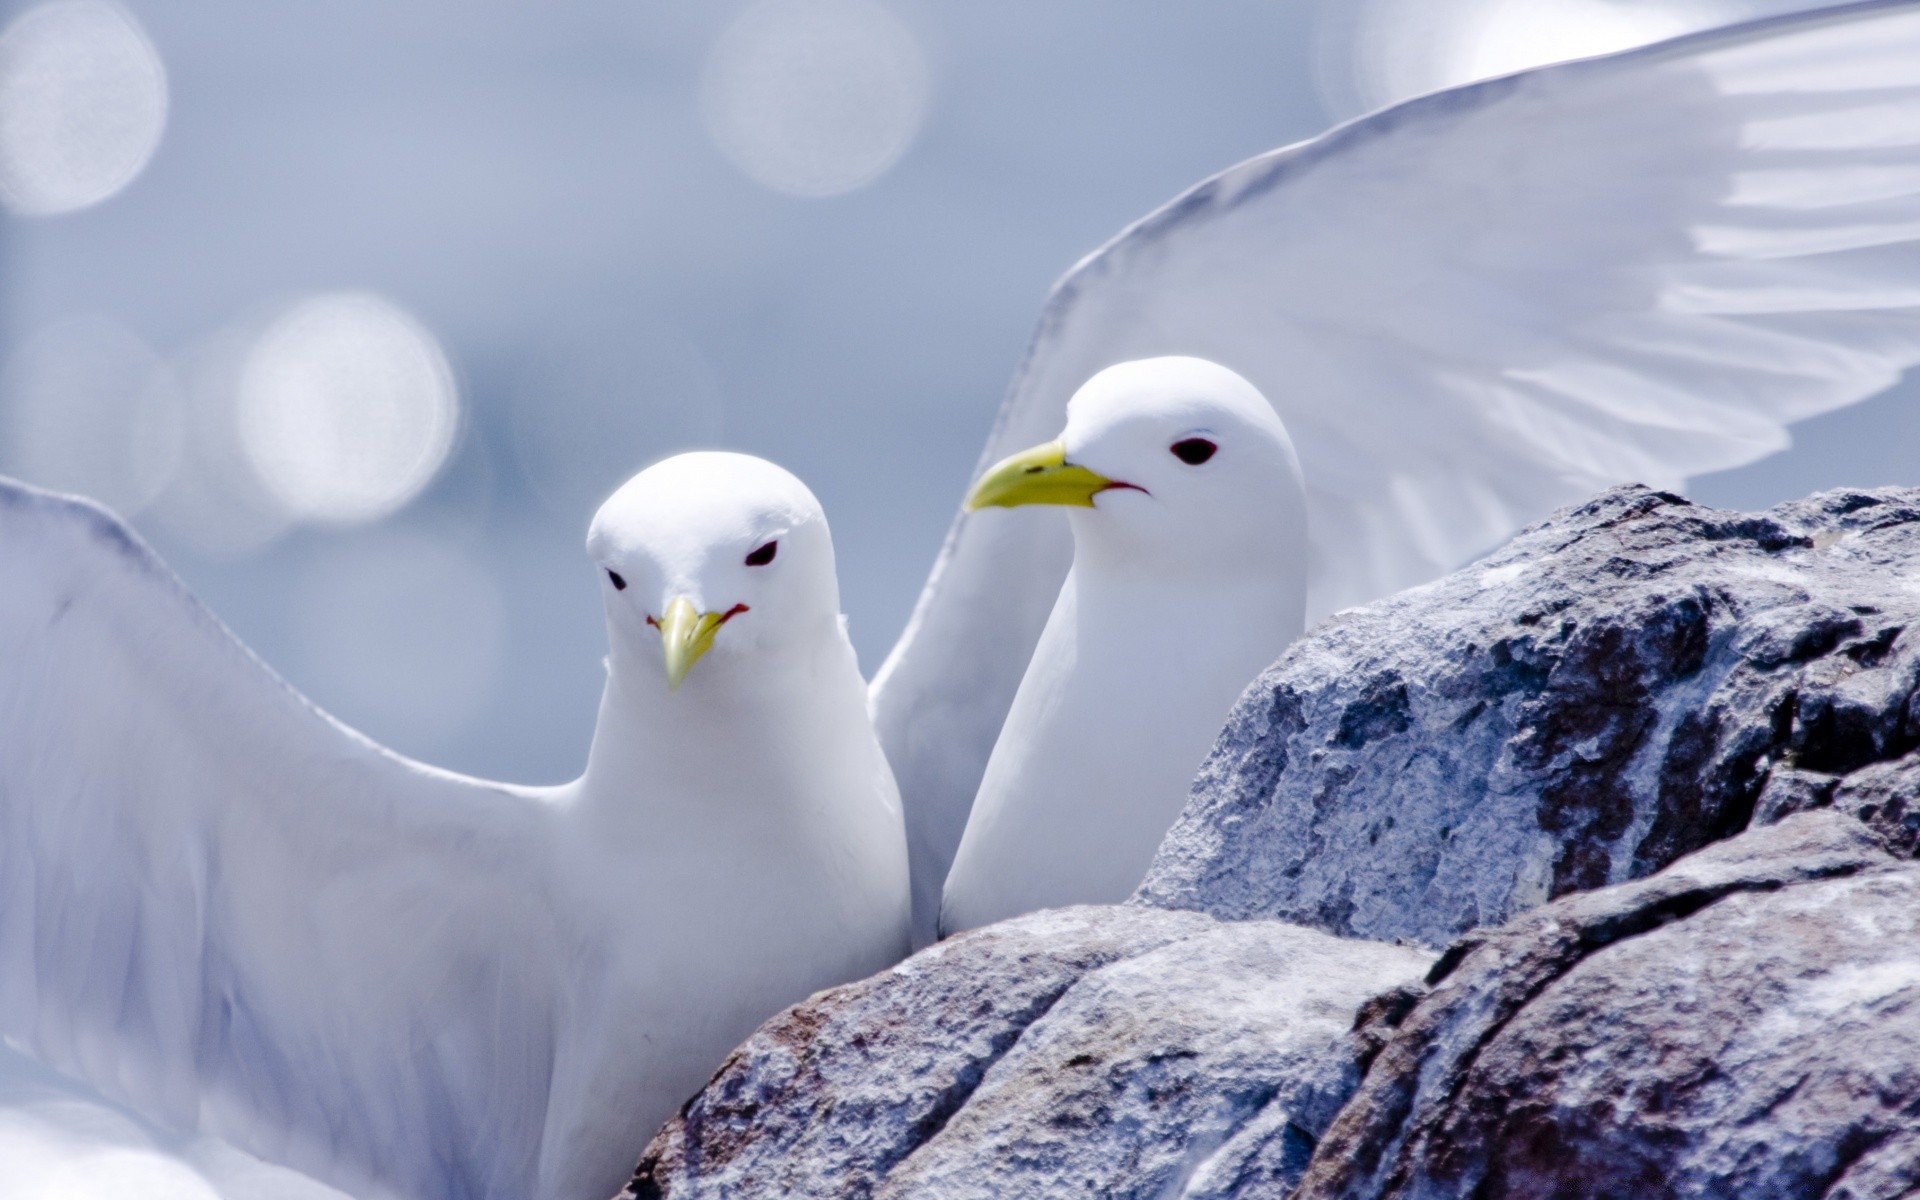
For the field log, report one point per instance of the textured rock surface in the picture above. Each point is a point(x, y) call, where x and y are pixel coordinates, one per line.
point(1625, 683)
point(1744, 1024)
point(1084, 1052)
point(1575, 717)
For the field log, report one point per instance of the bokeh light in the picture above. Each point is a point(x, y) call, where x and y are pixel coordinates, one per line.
point(1389, 50)
point(400, 630)
point(1512, 35)
point(346, 408)
point(83, 101)
point(87, 407)
point(216, 505)
point(815, 97)
point(606, 395)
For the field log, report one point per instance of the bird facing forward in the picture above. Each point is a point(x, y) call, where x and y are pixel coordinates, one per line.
point(230, 912)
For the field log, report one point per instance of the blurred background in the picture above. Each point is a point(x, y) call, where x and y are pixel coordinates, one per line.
point(358, 310)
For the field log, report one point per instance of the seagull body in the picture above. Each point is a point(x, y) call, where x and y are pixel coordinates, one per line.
point(233, 914)
point(1188, 577)
point(1468, 309)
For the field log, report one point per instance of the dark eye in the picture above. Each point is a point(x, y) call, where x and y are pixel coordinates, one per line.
point(1193, 451)
point(763, 556)
point(619, 584)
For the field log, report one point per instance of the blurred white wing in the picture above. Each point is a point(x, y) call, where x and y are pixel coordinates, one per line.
point(60, 1140)
point(1471, 308)
point(234, 915)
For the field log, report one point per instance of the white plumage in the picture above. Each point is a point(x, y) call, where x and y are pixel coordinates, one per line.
point(1188, 577)
point(61, 1140)
point(228, 911)
point(1469, 309)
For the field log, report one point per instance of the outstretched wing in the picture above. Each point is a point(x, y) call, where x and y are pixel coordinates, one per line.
point(1471, 308)
point(61, 1139)
point(226, 910)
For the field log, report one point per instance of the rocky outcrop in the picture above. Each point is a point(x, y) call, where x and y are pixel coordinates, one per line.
point(1744, 1024)
point(1651, 773)
point(1085, 1052)
point(1622, 684)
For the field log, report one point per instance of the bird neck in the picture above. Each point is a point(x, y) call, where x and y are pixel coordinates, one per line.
point(1194, 609)
point(1189, 620)
point(738, 727)
point(1270, 576)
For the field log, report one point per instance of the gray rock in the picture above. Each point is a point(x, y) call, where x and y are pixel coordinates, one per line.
point(1887, 797)
point(1743, 1024)
point(1085, 1052)
point(1625, 683)
point(1575, 717)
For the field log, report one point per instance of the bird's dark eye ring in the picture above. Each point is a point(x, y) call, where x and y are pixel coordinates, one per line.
point(1193, 451)
point(764, 555)
point(619, 584)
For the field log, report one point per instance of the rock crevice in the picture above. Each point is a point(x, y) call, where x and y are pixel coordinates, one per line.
point(1650, 775)
point(1630, 681)
point(1642, 1040)
point(1128, 1051)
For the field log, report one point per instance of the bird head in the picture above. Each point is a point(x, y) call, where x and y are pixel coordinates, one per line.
point(1165, 464)
point(712, 556)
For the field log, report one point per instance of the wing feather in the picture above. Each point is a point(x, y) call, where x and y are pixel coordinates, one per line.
point(228, 911)
point(1471, 308)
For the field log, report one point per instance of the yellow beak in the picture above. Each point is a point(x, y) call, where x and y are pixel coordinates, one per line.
point(1041, 475)
point(685, 635)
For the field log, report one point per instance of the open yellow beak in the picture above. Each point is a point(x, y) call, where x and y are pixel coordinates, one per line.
point(1041, 475)
point(685, 635)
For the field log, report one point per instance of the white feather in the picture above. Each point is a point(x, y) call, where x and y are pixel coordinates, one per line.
point(237, 917)
point(1469, 309)
point(60, 1140)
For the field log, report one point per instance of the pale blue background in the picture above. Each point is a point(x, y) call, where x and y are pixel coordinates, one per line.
point(534, 183)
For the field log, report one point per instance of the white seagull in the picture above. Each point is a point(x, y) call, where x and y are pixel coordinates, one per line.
point(235, 915)
point(1468, 309)
point(1189, 523)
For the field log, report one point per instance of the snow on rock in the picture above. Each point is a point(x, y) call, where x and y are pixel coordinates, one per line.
point(1626, 682)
